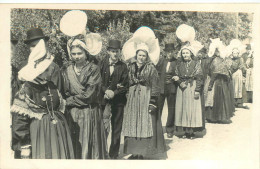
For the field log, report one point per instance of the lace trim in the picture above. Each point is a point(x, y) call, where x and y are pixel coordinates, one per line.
point(24, 111)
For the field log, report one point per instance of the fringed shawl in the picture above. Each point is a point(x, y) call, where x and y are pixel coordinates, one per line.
point(219, 66)
point(148, 76)
point(24, 105)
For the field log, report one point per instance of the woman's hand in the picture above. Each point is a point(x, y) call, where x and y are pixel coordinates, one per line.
point(69, 101)
point(25, 153)
point(196, 95)
point(183, 85)
point(175, 78)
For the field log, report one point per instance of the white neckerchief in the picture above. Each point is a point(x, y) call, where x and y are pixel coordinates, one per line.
point(168, 66)
point(111, 66)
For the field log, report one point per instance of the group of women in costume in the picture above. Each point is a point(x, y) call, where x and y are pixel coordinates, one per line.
point(57, 114)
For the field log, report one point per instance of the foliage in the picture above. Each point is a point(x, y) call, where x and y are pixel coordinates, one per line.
point(121, 24)
point(119, 31)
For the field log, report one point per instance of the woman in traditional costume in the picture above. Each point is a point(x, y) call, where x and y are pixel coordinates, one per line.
point(236, 66)
point(82, 82)
point(39, 128)
point(249, 77)
point(219, 104)
point(189, 76)
point(142, 126)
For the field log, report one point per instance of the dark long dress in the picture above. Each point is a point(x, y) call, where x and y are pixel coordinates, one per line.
point(142, 130)
point(84, 114)
point(220, 81)
point(33, 124)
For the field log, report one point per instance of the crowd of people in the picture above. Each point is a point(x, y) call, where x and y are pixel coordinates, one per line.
point(65, 113)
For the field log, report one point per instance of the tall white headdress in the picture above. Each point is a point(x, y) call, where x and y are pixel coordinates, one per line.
point(145, 39)
point(74, 23)
point(187, 33)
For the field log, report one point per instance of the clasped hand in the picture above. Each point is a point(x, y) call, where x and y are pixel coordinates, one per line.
point(109, 94)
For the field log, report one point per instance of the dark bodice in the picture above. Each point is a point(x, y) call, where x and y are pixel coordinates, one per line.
point(38, 92)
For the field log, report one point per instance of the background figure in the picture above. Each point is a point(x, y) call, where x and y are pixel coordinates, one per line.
point(189, 76)
point(249, 77)
point(39, 129)
point(114, 86)
point(82, 82)
point(15, 87)
point(203, 58)
point(219, 105)
point(165, 68)
point(237, 68)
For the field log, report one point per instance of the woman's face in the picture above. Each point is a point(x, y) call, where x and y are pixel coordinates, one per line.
point(141, 57)
point(235, 52)
point(186, 54)
point(78, 55)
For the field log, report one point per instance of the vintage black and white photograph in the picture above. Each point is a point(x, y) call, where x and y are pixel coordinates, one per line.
point(126, 84)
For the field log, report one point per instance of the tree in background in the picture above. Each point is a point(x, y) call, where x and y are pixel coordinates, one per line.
point(121, 24)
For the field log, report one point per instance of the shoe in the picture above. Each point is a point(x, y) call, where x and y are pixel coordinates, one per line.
point(140, 157)
point(226, 121)
point(169, 135)
point(186, 135)
point(133, 157)
point(245, 107)
point(113, 158)
point(192, 136)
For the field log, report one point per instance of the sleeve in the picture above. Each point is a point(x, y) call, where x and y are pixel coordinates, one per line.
point(20, 131)
point(234, 67)
point(124, 82)
point(242, 66)
point(155, 89)
point(56, 77)
point(198, 77)
point(101, 66)
point(177, 73)
point(20, 123)
point(159, 65)
point(172, 72)
point(212, 80)
point(91, 93)
point(64, 91)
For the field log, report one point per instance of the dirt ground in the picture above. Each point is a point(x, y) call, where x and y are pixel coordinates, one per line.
point(221, 141)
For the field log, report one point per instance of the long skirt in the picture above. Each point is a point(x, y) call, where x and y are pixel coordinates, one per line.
point(249, 80)
point(143, 131)
point(231, 91)
point(237, 78)
point(49, 140)
point(208, 95)
point(222, 109)
point(88, 134)
point(188, 112)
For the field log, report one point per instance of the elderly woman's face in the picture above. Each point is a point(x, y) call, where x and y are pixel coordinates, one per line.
point(78, 55)
point(186, 54)
point(141, 57)
point(235, 52)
